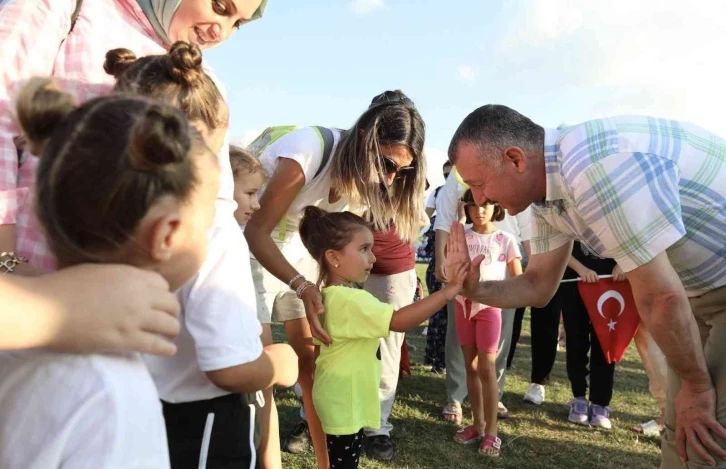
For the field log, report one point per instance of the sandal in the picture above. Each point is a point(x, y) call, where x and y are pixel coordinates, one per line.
point(651, 428)
point(452, 413)
point(468, 435)
point(488, 442)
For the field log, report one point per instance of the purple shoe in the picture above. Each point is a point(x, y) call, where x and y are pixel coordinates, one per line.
point(579, 411)
point(601, 417)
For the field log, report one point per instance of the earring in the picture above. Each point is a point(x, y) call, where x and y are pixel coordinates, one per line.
point(337, 265)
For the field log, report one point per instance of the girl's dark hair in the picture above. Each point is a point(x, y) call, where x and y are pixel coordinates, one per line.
point(321, 231)
point(468, 198)
point(177, 78)
point(358, 164)
point(242, 159)
point(103, 165)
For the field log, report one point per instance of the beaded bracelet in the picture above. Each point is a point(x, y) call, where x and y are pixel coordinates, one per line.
point(301, 289)
point(294, 279)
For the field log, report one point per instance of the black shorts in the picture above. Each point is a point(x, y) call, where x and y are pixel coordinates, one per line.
point(211, 434)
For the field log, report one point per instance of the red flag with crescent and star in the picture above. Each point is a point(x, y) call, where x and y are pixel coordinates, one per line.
point(613, 315)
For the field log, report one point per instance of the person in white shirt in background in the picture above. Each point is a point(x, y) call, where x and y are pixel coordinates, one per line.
point(448, 210)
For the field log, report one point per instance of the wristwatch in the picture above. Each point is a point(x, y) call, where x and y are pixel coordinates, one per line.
point(9, 261)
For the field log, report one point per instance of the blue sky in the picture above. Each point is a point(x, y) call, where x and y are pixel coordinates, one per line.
point(319, 62)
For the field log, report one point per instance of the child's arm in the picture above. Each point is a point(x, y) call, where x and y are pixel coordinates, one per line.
point(414, 314)
point(515, 267)
point(276, 366)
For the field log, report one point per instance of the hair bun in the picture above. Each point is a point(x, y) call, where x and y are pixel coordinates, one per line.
point(313, 215)
point(41, 106)
point(118, 61)
point(159, 138)
point(185, 62)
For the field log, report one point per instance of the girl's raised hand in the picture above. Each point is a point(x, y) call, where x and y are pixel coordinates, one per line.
point(458, 253)
point(457, 276)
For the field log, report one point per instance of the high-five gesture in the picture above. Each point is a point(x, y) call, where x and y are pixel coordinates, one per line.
point(457, 253)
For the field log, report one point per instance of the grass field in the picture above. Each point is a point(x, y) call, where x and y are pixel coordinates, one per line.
point(534, 437)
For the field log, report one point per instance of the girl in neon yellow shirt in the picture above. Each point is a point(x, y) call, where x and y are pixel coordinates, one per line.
point(348, 372)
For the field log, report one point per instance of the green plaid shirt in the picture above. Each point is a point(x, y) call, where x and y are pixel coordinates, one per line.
point(633, 187)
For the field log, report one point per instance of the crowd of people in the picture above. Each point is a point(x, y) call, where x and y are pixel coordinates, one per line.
point(119, 187)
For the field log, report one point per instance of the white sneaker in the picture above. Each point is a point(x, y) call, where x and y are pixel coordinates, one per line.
point(535, 394)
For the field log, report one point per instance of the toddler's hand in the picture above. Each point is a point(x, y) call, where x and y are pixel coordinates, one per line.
point(588, 276)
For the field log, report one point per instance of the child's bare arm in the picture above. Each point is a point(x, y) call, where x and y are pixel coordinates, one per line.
point(276, 366)
point(414, 314)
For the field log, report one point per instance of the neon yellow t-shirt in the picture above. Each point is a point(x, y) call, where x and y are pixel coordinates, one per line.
point(348, 373)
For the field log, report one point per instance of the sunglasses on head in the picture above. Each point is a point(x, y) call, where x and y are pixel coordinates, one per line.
point(390, 167)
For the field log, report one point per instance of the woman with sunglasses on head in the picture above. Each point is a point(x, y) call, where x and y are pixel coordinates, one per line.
point(376, 166)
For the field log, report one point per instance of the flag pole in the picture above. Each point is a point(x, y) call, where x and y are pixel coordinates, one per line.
point(570, 280)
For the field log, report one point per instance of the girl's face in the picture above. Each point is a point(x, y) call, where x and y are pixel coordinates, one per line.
point(206, 23)
point(246, 188)
point(184, 226)
point(355, 261)
point(480, 216)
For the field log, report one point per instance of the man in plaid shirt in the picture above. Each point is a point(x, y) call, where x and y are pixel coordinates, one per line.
point(647, 192)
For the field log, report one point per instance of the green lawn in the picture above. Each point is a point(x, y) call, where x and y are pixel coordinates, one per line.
point(534, 437)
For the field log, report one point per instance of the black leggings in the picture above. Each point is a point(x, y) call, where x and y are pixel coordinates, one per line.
point(344, 450)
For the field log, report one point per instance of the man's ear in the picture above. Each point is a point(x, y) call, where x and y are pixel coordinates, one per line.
point(515, 156)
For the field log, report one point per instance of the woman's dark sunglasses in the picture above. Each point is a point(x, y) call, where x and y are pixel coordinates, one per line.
point(390, 167)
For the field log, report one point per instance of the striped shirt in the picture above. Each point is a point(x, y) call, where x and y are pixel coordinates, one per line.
point(633, 187)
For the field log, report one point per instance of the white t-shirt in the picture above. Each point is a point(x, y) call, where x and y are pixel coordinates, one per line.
point(498, 248)
point(219, 320)
point(305, 147)
point(431, 199)
point(79, 412)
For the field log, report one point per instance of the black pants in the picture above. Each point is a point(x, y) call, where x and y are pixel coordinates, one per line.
point(344, 450)
point(545, 329)
point(215, 433)
point(581, 339)
point(516, 333)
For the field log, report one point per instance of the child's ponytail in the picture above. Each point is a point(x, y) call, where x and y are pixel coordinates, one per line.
point(41, 106)
point(159, 139)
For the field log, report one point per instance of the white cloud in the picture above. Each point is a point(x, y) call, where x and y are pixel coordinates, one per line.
point(467, 73)
point(653, 56)
point(245, 138)
point(363, 7)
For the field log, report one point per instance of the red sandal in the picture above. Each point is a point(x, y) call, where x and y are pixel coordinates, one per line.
point(490, 441)
point(468, 435)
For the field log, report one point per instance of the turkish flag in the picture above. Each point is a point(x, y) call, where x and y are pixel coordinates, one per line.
point(613, 315)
